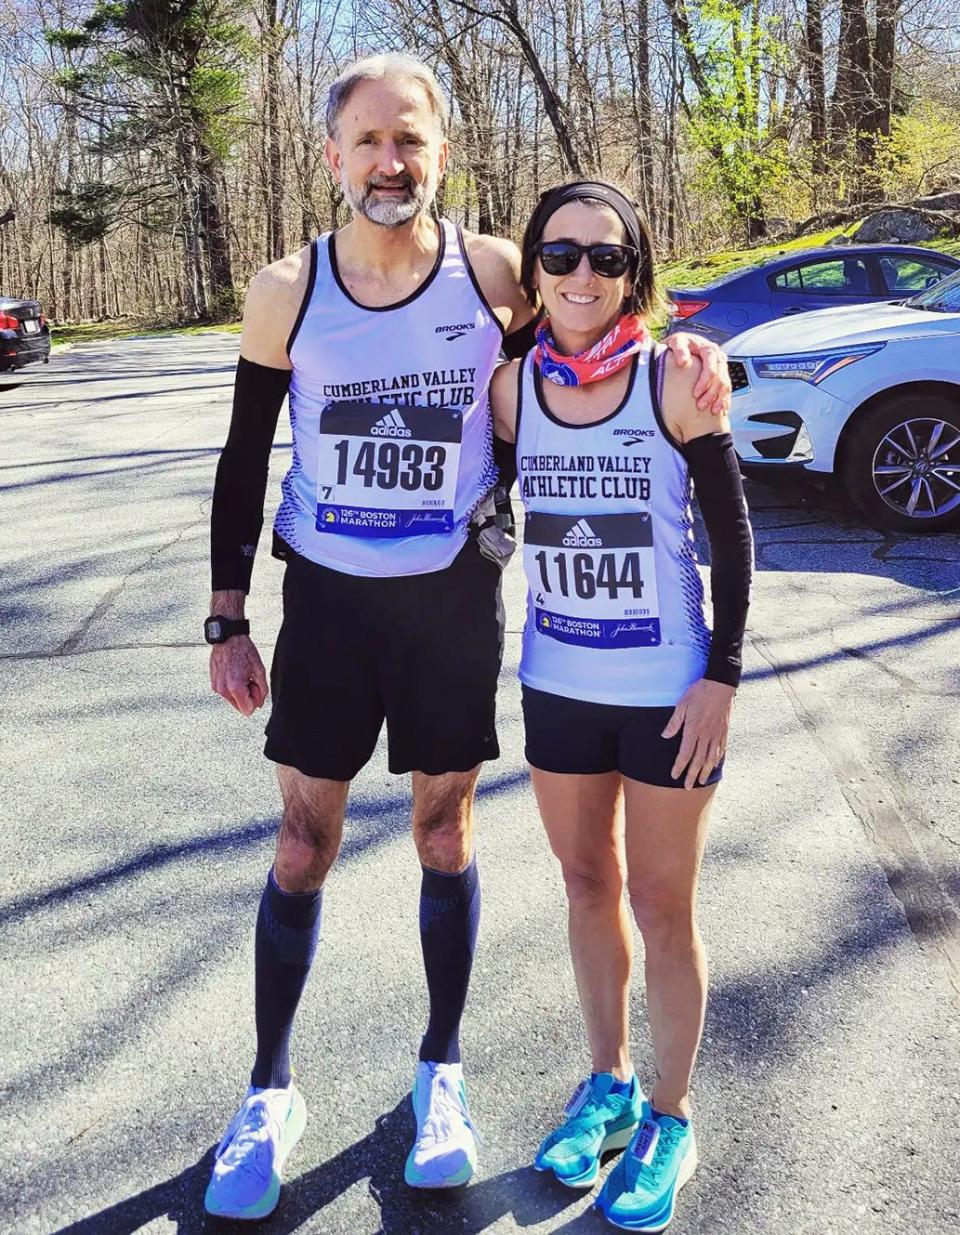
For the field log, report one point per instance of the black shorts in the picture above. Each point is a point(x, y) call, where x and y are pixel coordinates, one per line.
point(578, 738)
point(420, 651)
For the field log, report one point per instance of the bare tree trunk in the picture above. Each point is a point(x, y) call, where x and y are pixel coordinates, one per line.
point(273, 166)
point(818, 98)
point(885, 45)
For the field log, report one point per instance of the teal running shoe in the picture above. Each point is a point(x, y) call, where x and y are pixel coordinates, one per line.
point(596, 1121)
point(248, 1163)
point(444, 1153)
point(642, 1188)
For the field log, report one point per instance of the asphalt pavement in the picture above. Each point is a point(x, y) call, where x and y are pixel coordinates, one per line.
point(138, 818)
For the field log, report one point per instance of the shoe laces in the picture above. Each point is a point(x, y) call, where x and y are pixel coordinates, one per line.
point(251, 1130)
point(594, 1113)
point(446, 1108)
point(663, 1152)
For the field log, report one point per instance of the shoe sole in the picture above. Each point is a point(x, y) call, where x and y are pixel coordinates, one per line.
point(292, 1132)
point(463, 1176)
point(616, 1140)
point(687, 1169)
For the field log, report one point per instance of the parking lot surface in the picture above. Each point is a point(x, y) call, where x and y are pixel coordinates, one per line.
point(138, 824)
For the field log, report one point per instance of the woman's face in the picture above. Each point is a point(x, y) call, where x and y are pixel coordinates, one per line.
point(583, 302)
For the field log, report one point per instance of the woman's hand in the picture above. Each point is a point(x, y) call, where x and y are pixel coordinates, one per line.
point(713, 389)
point(703, 714)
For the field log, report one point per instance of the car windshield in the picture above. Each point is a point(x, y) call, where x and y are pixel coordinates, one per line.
point(943, 297)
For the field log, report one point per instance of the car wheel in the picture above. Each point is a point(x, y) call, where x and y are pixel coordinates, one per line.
point(902, 463)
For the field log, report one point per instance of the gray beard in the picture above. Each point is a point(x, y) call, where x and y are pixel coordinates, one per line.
point(388, 213)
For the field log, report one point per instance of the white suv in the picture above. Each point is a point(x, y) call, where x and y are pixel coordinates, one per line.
point(870, 393)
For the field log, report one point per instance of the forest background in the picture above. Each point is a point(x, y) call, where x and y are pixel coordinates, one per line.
point(155, 153)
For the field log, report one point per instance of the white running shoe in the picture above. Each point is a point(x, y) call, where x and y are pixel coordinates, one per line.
point(444, 1155)
point(247, 1167)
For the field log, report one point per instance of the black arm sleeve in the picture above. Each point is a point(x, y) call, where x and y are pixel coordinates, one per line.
point(712, 461)
point(505, 457)
point(241, 484)
point(519, 343)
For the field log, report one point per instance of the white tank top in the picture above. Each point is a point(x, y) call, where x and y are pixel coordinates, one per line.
point(615, 601)
point(392, 440)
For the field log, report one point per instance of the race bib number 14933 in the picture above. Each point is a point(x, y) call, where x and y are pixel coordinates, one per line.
point(387, 471)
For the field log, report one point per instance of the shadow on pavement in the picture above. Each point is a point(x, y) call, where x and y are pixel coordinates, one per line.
point(378, 1158)
point(391, 809)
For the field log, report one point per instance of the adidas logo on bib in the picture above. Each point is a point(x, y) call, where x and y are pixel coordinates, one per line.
point(582, 536)
point(390, 425)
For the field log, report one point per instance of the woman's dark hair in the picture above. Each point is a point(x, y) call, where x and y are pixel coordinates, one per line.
point(643, 298)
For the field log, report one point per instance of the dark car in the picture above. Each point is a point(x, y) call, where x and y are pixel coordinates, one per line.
point(24, 334)
point(796, 282)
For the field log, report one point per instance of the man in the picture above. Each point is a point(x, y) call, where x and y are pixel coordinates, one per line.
point(386, 334)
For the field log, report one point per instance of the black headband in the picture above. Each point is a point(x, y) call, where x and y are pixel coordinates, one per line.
point(590, 190)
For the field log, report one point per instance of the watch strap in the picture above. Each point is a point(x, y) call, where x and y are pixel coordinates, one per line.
point(218, 629)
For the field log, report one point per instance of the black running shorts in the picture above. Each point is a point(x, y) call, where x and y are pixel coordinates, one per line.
point(420, 651)
point(578, 738)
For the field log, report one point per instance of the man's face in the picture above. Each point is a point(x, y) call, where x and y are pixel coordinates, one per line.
point(388, 154)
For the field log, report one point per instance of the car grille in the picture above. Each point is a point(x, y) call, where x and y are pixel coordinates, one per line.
point(738, 375)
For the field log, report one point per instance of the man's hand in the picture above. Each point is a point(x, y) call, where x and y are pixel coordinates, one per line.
point(712, 391)
point(703, 714)
point(237, 674)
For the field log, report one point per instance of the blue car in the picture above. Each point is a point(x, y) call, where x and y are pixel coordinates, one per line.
point(798, 281)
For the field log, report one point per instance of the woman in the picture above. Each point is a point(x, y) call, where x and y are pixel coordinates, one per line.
point(626, 695)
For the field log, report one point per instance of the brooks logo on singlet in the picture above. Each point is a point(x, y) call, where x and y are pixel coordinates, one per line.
point(582, 535)
point(390, 425)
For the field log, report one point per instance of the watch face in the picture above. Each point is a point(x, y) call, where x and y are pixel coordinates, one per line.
point(214, 630)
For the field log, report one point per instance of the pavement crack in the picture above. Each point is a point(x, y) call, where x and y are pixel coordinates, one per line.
point(891, 541)
point(930, 912)
point(72, 642)
point(59, 655)
point(901, 679)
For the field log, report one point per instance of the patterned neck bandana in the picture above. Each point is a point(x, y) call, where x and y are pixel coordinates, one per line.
point(616, 349)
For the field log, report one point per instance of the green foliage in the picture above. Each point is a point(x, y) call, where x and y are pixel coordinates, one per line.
point(161, 70)
point(67, 40)
point(84, 214)
point(747, 154)
point(69, 80)
point(923, 150)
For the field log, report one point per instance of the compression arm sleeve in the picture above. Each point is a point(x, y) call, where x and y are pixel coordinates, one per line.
point(505, 457)
point(712, 462)
point(241, 484)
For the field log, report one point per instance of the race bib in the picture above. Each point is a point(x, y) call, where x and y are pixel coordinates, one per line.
point(593, 579)
point(387, 471)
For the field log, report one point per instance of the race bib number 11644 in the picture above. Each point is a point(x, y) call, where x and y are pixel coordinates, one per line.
point(593, 579)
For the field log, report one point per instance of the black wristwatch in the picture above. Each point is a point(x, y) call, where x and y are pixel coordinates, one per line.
point(219, 629)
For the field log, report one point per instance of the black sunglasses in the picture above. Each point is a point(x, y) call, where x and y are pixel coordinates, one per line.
point(610, 261)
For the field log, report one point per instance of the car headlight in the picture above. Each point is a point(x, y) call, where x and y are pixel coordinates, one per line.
point(813, 367)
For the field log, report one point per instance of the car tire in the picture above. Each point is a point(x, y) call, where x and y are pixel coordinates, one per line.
point(886, 469)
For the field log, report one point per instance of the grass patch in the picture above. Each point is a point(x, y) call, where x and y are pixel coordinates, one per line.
point(125, 328)
point(698, 271)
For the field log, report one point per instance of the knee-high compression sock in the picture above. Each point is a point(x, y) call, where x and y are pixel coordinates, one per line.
point(449, 918)
point(288, 927)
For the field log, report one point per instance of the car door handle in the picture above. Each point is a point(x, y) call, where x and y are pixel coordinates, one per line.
point(794, 308)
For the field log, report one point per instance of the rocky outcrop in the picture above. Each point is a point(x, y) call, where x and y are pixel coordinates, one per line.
point(939, 201)
point(906, 225)
point(936, 216)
